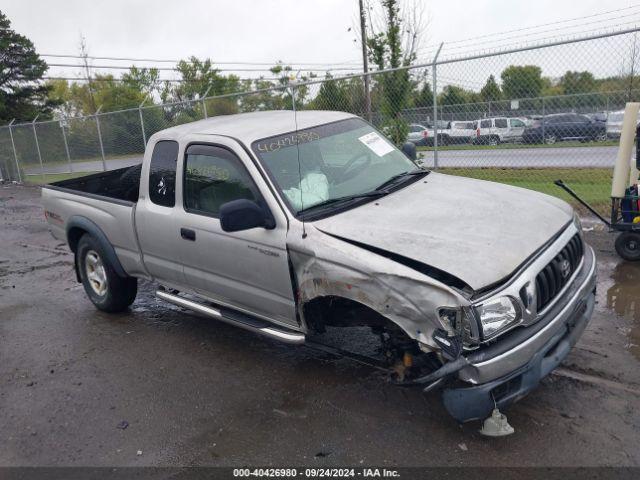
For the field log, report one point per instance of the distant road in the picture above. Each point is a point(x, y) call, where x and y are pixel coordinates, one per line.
point(559, 157)
point(87, 166)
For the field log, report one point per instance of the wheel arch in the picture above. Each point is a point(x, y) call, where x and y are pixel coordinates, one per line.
point(342, 311)
point(76, 227)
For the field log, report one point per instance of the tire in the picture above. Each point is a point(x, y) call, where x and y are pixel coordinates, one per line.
point(494, 141)
point(600, 137)
point(105, 288)
point(444, 140)
point(628, 246)
point(550, 139)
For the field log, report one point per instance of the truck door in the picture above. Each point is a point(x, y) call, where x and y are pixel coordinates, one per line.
point(155, 215)
point(246, 270)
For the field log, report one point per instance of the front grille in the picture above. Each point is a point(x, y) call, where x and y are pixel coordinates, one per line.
point(551, 280)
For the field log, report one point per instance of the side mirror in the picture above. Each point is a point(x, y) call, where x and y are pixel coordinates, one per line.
point(409, 149)
point(238, 215)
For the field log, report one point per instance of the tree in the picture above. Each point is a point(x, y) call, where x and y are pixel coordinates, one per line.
point(424, 97)
point(106, 91)
point(145, 80)
point(346, 95)
point(22, 96)
point(454, 95)
point(197, 77)
point(490, 92)
point(577, 82)
point(332, 95)
point(393, 43)
point(522, 81)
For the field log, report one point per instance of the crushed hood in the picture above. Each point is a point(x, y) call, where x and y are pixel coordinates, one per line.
point(477, 231)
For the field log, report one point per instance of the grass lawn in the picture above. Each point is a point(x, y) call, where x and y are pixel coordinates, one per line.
point(513, 146)
point(591, 184)
point(52, 177)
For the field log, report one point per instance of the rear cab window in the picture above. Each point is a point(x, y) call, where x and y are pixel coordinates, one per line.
point(162, 173)
point(501, 123)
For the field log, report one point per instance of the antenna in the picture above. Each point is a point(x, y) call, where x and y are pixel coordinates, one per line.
point(295, 120)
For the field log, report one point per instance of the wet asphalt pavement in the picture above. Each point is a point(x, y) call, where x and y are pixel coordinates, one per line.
point(81, 387)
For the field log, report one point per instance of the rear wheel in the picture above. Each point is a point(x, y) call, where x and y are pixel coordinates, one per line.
point(105, 288)
point(600, 137)
point(628, 246)
point(493, 140)
point(550, 139)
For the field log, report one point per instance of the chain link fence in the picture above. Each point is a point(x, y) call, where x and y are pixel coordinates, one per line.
point(523, 116)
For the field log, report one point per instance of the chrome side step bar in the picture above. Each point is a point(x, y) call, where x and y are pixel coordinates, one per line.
point(257, 326)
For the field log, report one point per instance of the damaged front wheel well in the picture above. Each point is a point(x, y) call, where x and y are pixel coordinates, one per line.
point(334, 311)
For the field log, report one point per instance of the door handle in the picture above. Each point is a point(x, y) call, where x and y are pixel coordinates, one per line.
point(188, 234)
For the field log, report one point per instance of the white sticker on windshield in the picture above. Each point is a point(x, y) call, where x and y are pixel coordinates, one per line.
point(376, 143)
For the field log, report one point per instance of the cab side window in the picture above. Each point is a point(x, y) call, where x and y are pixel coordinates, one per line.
point(214, 176)
point(162, 173)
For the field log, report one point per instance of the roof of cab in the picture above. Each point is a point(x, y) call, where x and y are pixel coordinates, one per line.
point(248, 127)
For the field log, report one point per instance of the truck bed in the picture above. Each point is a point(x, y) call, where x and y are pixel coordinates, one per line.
point(109, 201)
point(121, 184)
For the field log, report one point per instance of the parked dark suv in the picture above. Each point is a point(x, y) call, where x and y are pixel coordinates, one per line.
point(565, 126)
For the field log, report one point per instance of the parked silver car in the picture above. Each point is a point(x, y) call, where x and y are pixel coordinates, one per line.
point(287, 232)
point(419, 134)
point(493, 131)
point(614, 124)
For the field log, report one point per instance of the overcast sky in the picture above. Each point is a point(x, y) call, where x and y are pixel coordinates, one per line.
point(294, 31)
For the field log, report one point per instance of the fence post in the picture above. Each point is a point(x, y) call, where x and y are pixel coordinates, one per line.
point(144, 135)
point(66, 145)
point(204, 104)
point(543, 140)
point(35, 136)
point(97, 115)
point(435, 108)
point(15, 153)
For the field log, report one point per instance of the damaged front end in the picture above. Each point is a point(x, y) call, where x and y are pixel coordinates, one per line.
point(496, 346)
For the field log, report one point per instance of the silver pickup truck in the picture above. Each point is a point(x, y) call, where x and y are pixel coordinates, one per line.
point(287, 227)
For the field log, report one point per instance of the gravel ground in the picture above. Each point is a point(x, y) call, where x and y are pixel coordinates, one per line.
point(159, 386)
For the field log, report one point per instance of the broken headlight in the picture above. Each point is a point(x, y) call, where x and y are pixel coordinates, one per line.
point(497, 314)
point(459, 322)
point(577, 222)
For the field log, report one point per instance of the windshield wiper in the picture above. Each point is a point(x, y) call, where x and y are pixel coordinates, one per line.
point(402, 175)
point(346, 198)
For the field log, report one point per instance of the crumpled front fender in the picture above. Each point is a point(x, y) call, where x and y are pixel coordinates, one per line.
point(326, 266)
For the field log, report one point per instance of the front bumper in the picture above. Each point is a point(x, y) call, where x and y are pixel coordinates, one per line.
point(504, 376)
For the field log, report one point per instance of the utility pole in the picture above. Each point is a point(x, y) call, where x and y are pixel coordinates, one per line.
point(85, 62)
point(435, 107)
point(365, 61)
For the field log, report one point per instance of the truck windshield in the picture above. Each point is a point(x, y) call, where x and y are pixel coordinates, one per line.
point(337, 160)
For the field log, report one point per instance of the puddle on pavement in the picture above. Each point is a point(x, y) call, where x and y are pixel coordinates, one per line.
point(623, 297)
